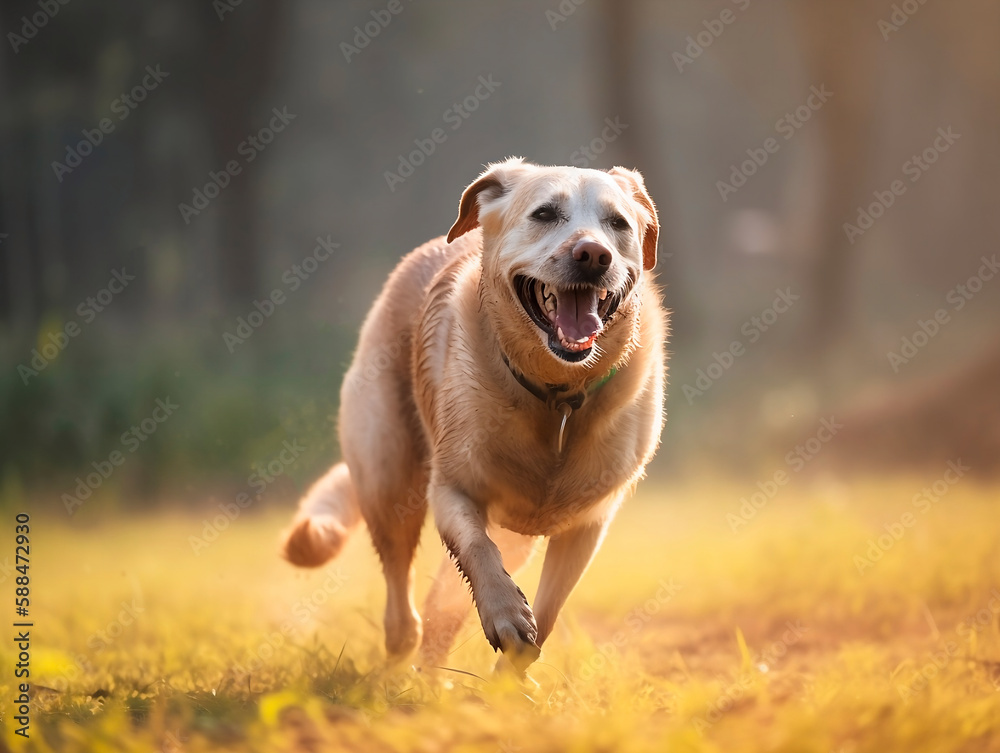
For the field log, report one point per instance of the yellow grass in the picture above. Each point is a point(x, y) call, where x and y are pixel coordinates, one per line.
point(683, 636)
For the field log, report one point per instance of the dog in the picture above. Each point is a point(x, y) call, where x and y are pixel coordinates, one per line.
point(511, 377)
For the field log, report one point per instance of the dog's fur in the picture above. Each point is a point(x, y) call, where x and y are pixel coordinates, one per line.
point(430, 413)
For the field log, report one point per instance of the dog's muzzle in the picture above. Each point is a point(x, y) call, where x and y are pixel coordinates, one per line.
point(572, 316)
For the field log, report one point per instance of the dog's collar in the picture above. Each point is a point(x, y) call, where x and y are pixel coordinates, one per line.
point(557, 396)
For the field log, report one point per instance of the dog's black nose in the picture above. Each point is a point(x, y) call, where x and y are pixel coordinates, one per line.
point(593, 258)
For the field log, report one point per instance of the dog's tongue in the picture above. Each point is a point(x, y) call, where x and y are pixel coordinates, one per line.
point(576, 314)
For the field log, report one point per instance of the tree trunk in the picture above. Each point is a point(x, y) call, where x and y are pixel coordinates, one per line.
point(839, 47)
point(640, 146)
point(241, 60)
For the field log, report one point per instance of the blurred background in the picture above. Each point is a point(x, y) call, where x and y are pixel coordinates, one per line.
point(199, 202)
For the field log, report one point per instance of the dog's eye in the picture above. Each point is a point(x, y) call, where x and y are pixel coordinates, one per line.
point(545, 213)
point(618, 222)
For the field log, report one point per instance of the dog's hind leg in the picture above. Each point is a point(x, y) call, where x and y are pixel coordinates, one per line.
point(395, 531)
point(449, 600)
point(327, 514)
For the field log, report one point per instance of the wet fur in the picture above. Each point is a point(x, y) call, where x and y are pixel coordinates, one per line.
point(431, 416)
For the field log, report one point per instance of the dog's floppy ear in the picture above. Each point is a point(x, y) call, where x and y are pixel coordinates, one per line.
point(494, 181)
point(632, 182)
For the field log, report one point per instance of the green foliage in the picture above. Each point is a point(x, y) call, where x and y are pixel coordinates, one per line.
point(235, 409)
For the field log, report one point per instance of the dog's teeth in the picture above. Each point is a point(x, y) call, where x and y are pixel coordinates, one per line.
point(603, 294)
point(546, 298)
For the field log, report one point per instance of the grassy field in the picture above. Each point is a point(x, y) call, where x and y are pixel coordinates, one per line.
point(802, 630)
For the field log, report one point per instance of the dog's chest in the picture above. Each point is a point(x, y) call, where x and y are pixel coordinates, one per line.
point(533, 488)
point(544, 504)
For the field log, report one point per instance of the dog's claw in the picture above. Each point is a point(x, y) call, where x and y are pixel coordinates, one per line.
point(520, 650)
point(512, 630)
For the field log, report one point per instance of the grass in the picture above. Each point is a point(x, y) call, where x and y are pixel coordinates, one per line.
point(683, 636)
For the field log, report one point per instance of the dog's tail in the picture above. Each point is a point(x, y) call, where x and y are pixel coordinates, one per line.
point(327, 515)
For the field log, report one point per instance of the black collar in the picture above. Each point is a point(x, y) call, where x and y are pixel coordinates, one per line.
point(556, 395)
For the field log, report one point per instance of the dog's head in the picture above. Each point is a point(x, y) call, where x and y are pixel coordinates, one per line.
point(563, 250)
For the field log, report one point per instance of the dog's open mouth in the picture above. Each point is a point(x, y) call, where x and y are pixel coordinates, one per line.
point(572, 317)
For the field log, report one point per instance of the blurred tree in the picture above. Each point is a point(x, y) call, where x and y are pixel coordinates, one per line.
point(65, 232)
point(624, 89)
point(240, 59)
point(957, 415)
point(838, 45)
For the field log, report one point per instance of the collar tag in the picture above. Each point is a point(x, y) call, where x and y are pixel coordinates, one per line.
point(566, 409)
point(555, 398)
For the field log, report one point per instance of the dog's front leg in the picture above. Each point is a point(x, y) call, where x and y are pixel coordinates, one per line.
point(504, 613)
point(566, 558)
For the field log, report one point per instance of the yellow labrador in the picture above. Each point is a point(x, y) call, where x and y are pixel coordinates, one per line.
point(510, 376)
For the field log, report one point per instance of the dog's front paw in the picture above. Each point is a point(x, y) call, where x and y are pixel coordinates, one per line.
point(509, 624)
